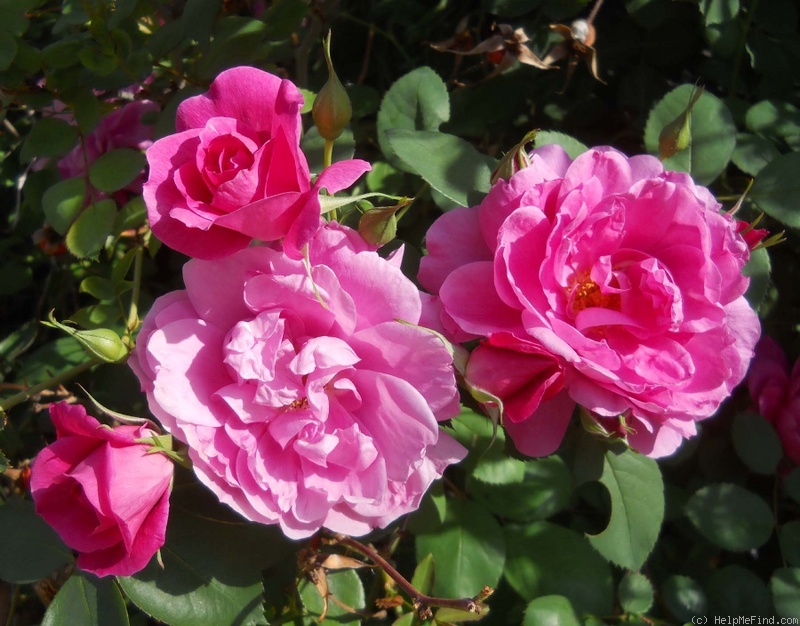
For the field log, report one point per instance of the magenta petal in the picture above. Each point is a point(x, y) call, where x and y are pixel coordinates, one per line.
point(541, 434)
point(453, 240)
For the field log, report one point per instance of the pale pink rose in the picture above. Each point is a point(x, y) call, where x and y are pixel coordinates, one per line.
point(776, 393)
point(605, 282)
point(302, 398)
point(234, 171)
point(102, 492)
point(122, 128)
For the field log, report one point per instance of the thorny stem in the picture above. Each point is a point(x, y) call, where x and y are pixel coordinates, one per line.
point(28, 393)
point(422, 603)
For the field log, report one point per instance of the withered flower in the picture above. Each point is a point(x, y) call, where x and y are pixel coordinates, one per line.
point(579, 38)
point(502, 49)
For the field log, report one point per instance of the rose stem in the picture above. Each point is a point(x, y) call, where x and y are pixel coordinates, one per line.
point(595, 9)
point(422, 602)
point(133, 312)
point(28, 393)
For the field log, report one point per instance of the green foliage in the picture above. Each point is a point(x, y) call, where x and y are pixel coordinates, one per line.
point(777, 187)
point(756, 443)
point(635, 593)
point(417, 101)
point(712, 133)
point(212, 571)
point(550, 559)
point(469, 546)
point(86, 599)
point(29, 548)
point(730, 517)
point(637, 508)
point(550, 611)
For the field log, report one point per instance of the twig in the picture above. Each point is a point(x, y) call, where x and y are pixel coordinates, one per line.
point(594, 12)
point(22, 396)
point(422, 603)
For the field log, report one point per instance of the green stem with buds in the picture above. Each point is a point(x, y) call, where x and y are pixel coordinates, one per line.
point(27, 394)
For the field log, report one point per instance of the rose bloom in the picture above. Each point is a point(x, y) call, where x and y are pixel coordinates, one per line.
point(603, 281)
point(122, 128)
point(234, 171)
point(775, 389)
point(302, 398)
point(102, 492)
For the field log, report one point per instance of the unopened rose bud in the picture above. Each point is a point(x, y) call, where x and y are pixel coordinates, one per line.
point(676, 136)
point(102, 344)
point(514, 160)
point(332, 109)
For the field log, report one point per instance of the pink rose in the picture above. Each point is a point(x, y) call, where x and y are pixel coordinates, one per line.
point(122, 128)
point(302, 398)
point(776, 393)
point(102, 492)
point(234, 171)
point(603, 281)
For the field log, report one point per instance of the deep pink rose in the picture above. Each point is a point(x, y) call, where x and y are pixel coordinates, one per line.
point(102, 492)
point(302, 398)
point(776, 393)
point(122, 128)
point(603, 281)
point(234, 171)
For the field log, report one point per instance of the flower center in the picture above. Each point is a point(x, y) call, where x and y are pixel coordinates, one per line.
point(301, 403)
point(586, 294)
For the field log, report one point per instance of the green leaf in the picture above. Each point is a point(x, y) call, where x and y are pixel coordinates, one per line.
point(785, 588)
point(29, 548)
point(758, 268)
point(132, 215)
point(684, 597)
point(18, 341)
point(753, 152)
point(777, 189)
point(99, 287)
point(87, 235)
point(450, 164)
point(432, 511)
point(791, 484)
point(469, 550)
point(718, 11)
point(424, 575)
point(712, 133)
point(572, 146)
point(49, 137)
point(89, 601)
point(635, 593)
point(447, 616)
point(789, 537)
point(97, 316)
point(549, 559)
point(62, 203)
point(416, 101)
point(116, 169)
point(212, 572)
point(384, 178)
point(756, 443)
point(495, 467)
point(343, 585)
point(773, 118)
point(550, 611)
point(730, 517)
point(637, 508)
point(8, 49)
point(50, 360)
point(545, 490)
point(736, 590)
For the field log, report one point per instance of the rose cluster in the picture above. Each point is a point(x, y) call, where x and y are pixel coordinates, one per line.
point(296, 365)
